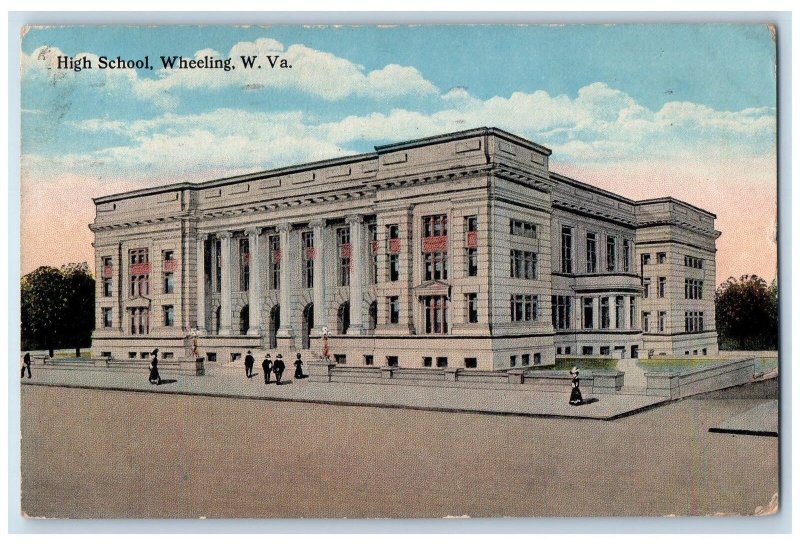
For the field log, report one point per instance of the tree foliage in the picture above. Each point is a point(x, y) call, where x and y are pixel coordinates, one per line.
point(747, 313)
point(57, 307)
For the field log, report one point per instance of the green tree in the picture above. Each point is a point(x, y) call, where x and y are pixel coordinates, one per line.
point(57, 307)
point(747, 313)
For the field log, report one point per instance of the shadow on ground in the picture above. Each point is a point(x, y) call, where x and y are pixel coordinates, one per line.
point(765, 389)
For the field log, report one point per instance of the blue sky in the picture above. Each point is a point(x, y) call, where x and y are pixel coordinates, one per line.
point(645, 110)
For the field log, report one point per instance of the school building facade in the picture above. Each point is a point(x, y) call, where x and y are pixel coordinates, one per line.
point(459, 250)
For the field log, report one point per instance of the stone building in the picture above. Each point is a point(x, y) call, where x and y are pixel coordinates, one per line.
point(457, 250)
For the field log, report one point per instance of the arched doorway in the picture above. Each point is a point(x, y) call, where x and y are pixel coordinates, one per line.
point(244, 320)
point(274, 325)
point(373, 316)
point(343, 318)
point(308, 325)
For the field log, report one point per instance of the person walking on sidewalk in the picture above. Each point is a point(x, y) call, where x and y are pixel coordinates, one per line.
point(298, 367)
point(575, 397)
point(266, 365)
point(278, 368)
point(26, 364)
point(248, 364)
point(155, 377)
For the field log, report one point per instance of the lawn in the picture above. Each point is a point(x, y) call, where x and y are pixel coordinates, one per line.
point(585, 363)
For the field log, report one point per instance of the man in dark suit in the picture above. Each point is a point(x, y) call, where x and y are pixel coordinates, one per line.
point(266, 365)
point(278, 368)
point(248, 364)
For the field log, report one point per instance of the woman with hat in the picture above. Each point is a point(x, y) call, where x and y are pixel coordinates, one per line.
point(298, 367)
point(278, 367)
point(155, 378)
point(575, 398)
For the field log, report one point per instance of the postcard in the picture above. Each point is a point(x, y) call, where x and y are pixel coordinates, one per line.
point(399, 272)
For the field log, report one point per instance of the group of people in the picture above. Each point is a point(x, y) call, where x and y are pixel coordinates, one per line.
point(269, 366)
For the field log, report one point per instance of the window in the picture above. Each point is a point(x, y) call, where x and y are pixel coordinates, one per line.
point(470, 363)
point(211, 356)
point(693, 289)
point(169, 255)
point(587, 350)
point(309, 253)
point(626, 255)
point(591, 253)
point(605, 316)
point(427, 361)
point(561, 311)
point(619, 306)
point(646, 288)
point(392, 361)
point(169, 282)
point(537, 358)
point(471, 223)
point(244, 264)
point(106, 317)
point(344, 248)
point(275, 262)
point(472, 307)
point(139, 272)
point(139, 255)
point(522, 228)
point(611, 254)
point(566, 249)
point(168, 355)
point(662, 286)
point(661, 258)
point(394, 267)
point(368, 359)
point(693, 321)
point(372, 233)
point(472, 262)
point(105, 355)
point(132, 355)
point(646, 321)
point(217, 265)
point(394, 310)
point(605, 350)
point(526, 359)
point(107, 287)
point(340, 359)
point(140, 285)
point(693, 262)
point(567, 350)
point(645, 259)
point(169, 315)
point(441, 362)
point(523, 265)
point(435, 314)
point(588, 313)
point(139, 320)
point(394, 231)
point(107, 261)
point(435, 265)
point(524, 308)
point(662, 321)
point(512, 361)
point(633, 313)
point(434, 226)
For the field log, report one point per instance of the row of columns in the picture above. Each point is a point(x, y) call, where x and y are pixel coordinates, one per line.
point(612, 312)
point(290, 257)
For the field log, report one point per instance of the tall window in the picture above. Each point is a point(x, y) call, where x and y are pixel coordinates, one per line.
point(694, 321)
point(140, 320)
point(107, 287)
point(394, 267)
point(169, 282)
point(472, 262)
point(662, 286)
point(662, 321)
point(435, 265)
point(307, 242)
point(611, 254)
point(217, 265)
point(566, 249)
point(605, 315)
point(693, 289)
point(633, 313)
point(523, 264)
point(434, 226)
point(471, 245)
point(435, 314)
point(139, 272)
point(626, 255)
point(472, 307)
point(646, 288)
point(591, 253)
point(394, 310)
point(524, 308)
point(646, 321)
point(107, 317)
point(394, 252)
point(344, 249)
point(619, 307)
point(372, 233)
point(275, 262)
point(562, 307)
point(169, 315)
point(588, 313)
point(244, 264)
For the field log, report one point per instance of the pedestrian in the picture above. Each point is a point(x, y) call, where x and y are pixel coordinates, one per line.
point(26, 364)
point(266, 365)
point(278, 368)
point(298, 367)
point(155, 378)
point(575, 398)
point(248, 364)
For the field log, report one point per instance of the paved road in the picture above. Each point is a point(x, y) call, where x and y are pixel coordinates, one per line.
point(95, 453)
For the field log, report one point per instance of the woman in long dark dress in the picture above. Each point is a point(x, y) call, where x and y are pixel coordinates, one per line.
point(155, 378)
point(298, 367)
point(575, 398)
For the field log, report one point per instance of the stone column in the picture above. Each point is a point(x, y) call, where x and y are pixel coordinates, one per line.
point(356, 274)
point(612, 311)
point(626, 317)
point(225, 284)
point(286, 282)
point(596, 312)
point(320, 310)
point(201, 284)
point(254, 294)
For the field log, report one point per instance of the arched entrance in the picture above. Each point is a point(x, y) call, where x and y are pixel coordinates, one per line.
point(274, 325)
point(343, 318)
point(244, 320)
point(308, 325)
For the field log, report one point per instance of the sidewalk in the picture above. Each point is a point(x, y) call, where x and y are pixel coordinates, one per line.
point(231, 382)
